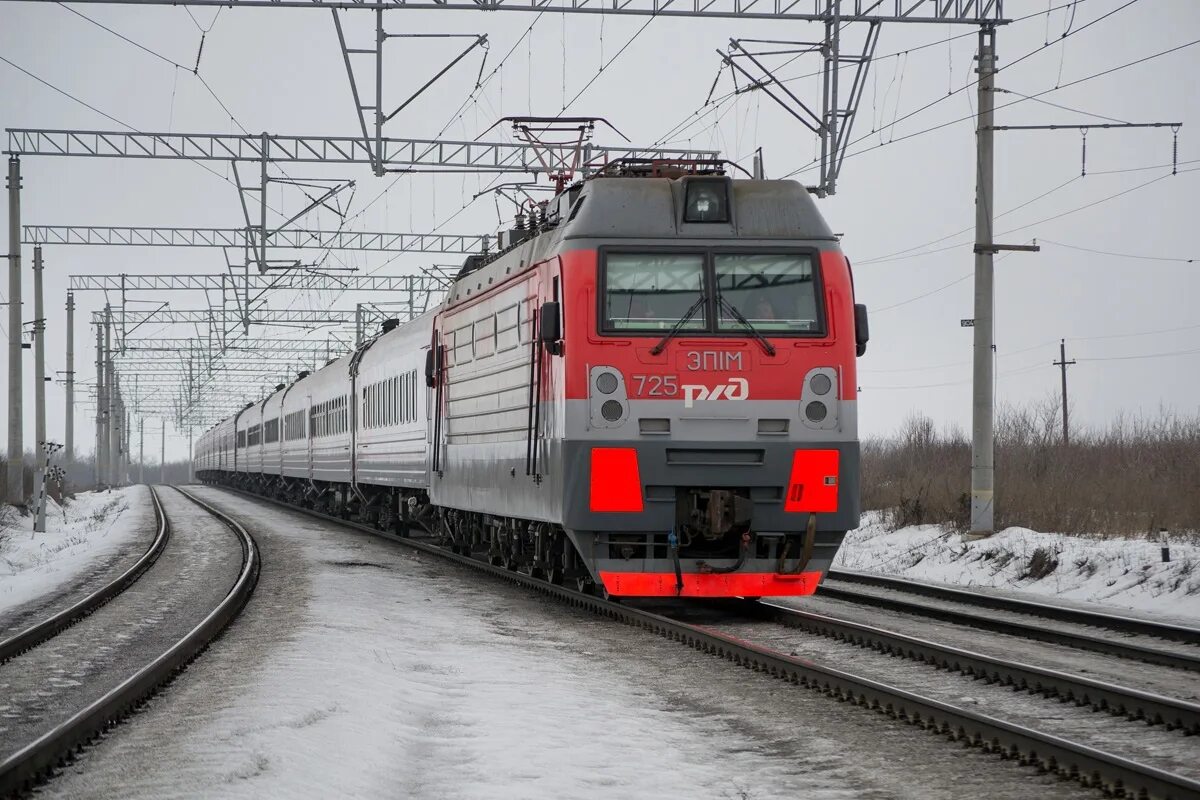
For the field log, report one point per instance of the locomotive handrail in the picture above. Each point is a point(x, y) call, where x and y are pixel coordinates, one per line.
point(534, 398)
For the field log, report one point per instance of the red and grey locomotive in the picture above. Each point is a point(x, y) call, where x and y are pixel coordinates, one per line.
point(648, 390)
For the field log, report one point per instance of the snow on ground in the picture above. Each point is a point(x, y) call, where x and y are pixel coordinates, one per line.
point(90, 528)
point(360, 669)
point(1120, 572)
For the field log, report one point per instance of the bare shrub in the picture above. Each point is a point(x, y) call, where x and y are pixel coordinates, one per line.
point(1042, 562)
point(1136, 475)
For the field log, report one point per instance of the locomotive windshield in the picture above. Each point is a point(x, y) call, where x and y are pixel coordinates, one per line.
point(774, 292)
point(651, 291)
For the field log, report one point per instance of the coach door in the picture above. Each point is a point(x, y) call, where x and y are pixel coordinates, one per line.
point(309, 438)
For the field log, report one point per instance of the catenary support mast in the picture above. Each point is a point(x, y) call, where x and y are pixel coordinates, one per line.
point(39, 371)
point(69, 420)
point(982, 445)
point(16, 485)
point(98, 455)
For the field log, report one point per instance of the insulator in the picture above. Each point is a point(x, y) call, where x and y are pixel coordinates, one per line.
point(1083, 164)
point(1174, 149)
point(520, 222)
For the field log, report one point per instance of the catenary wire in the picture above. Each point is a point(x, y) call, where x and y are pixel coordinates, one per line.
point(810, 166)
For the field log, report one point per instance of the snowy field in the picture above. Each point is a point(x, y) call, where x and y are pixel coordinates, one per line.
point(1123, 573)
point(90, 529)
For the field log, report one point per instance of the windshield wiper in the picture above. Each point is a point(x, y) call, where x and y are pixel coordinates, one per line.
point(658, 348)
point(767, 347)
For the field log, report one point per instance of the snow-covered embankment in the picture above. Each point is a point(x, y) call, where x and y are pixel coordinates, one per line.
point(1122, 572)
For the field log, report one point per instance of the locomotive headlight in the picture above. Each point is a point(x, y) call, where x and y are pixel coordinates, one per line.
point(606, 383)
point(820, 383)
point(819, 404)
point(608, 397)
point(706, 200)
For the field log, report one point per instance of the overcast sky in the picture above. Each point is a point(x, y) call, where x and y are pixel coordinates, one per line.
point(905, 200)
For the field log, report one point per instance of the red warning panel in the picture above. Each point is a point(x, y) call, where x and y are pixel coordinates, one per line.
point(615, 483)
point(813, 485)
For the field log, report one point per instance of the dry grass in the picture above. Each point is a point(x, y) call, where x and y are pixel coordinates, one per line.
point(1133, 477)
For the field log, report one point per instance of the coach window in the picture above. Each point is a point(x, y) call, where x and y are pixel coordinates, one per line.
point(773, 292)
point(654, 291)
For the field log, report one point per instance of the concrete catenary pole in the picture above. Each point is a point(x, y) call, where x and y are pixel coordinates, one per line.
point(141, 449)
point(39, 370)
point(69, 420)
point(99, 454)
point(16, 486)
point(110, 393)
point(114, 424)
point(982, 445)
point(162, 454)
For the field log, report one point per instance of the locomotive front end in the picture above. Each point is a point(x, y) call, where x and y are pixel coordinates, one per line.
point(711, 431)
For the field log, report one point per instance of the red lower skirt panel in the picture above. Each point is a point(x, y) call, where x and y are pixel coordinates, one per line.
point(746, 584)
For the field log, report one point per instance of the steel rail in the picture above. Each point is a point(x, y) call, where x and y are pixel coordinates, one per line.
point(1081, 641)
point(60, 620)
point(1090, 766)
point(24, 768)
point(1155, 709)
point(1098, 619)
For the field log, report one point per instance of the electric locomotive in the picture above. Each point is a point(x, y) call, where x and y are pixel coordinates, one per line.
point(649, 389)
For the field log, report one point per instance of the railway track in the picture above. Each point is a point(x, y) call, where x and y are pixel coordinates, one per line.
point(1186, 656)
point(31, 761)
point(50, 626)
point(1095, 619)
point(1154, 709)
point(1091, 767)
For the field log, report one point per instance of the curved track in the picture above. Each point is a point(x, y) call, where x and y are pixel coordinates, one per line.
point(1111, 773)
point(1184, 657)
point(26, 766)
point(50, 626)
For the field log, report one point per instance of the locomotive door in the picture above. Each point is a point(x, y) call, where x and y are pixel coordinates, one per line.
point(542, 416)
point(436, 401)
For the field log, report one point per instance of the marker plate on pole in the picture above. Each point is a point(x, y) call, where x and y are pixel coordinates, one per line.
point(967, 323)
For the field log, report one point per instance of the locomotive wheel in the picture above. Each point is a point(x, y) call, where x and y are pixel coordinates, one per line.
point(509, 559)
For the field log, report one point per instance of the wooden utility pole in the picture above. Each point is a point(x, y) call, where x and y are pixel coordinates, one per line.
point(1062, 363)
